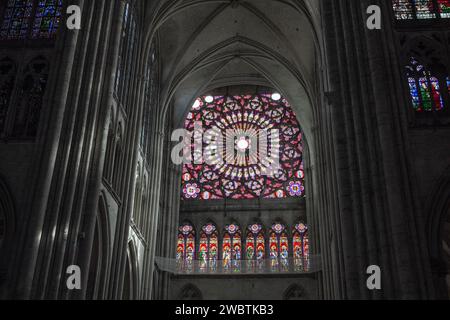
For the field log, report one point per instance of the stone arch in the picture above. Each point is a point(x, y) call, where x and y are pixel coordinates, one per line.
point(190, 292)
point(438, 233)
point(429, 52)
point(426, 49)
point(30, 99)
point(295, 292)
point(98, 270)
point(131, 277)
point(8, 75)
point(7, 229)
point(7, 217)
point(107, 171)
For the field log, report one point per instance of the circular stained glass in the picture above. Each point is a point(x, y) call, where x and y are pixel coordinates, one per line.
point(301, 227)
point(209, 229)
point(186, 229)
point(252, 148)
point(255, 228)
point(232, 229)
point(278, 228)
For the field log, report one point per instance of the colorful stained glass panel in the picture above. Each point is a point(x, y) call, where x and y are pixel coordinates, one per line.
point(47, 18)
point(444, 8)
point(16, 19)
point(244, 137)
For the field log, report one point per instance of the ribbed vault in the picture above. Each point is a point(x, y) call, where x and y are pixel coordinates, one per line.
point(215, 43)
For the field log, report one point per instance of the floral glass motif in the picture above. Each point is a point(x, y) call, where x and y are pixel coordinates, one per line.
point(24, 19)
point(424, 88)
point(244, 175)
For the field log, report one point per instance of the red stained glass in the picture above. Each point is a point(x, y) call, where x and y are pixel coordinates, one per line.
point(424, 88)
point(421, 9)
point(186, 244)
point(263, 130)
point(444, 8)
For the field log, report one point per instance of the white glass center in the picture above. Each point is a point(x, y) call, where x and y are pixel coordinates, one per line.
point(243, 144)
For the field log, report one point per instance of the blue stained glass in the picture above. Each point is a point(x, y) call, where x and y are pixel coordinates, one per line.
point(47, 19)
point(414, 94)
point(18, 19)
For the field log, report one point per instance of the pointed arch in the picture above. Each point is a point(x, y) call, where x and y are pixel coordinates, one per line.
point(131, 280)
point(190, 292)
point(208, 248)
point(186, 244)
point(7, 232)
point(438, 228)
point(100, 257)
point(294, 292)
point(8, 73)
point(30, 99)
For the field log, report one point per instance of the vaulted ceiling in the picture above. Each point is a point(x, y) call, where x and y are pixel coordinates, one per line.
point(206, 44)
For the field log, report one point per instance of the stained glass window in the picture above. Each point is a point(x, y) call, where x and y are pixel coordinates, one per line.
point(47, 18)
point(255, 244)
point(421, 9)
point(207, 252)
point(424, 88)
point(425, 9)
point(403, 9)
point(444, 8)
point(24, 19)
point(28, 109)
point(186, 244)
point(300, 245)
point(251, 148)
point(7, 77)
point(251, 249)
point(278, 245)
point(16, 19)
point(231, 246)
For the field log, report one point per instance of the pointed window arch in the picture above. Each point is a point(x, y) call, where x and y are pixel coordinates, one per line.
point(300, 244)
point(278, 244)
point(255, 243)
point(186, 243)
point(231, 246)
point(8, 71)
point(30, 101)
point(424, 88)
point(208, 246)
